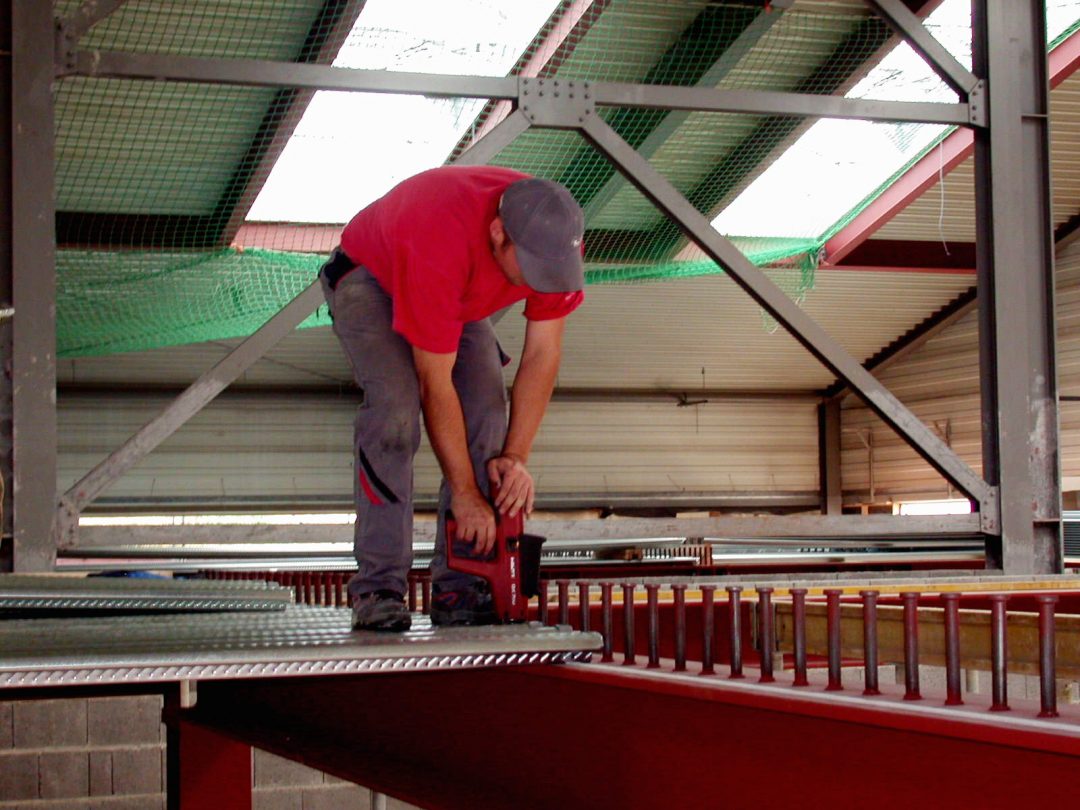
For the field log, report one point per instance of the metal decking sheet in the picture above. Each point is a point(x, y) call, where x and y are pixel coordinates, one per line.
point(66, 593)
point(299, 640)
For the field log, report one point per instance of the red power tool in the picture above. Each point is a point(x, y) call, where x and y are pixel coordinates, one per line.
point(511, 568)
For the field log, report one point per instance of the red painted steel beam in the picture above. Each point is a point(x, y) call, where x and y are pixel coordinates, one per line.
point(954, 150)
point(214, 771)
point(592, 736)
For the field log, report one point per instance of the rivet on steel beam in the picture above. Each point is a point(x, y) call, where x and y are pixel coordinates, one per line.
point(798, 618)
point(564, 600)
point(953, 693)
point(608, 624)
point(679, 590)
point(708, 619)
point(1047, 660)
point(832, 603)
point(870, 642)
point(911, 646)
point(652, 591)
point(766, 637)
point(583, 605)
point(735, 629)
point(628, 623)
point(999, 650)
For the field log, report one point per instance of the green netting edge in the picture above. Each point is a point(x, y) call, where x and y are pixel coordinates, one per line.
point(125, 301)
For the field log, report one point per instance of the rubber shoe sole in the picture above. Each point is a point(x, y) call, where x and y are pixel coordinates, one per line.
point(381, 615)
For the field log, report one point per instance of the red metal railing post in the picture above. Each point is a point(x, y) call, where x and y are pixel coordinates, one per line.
point(911, 646)
point(542, 601)
point(425, 595)
point(1047, 660)
point(999, 650)
point(583, 605)
point(870, 642)
point(953, 694)
point(628, 623)
point(652, 591)
point(605, 615)
point(708, 619)
point(832, 602)
point(412, 594)
point(564, 600)
point(798, 619)
point(766, 636)
point(735, 617)
point(679, 590)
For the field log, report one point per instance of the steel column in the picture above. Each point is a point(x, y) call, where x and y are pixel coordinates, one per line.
point(1016, 286)
point(829, 466)
point(212, 770)
point(33, 265)
point(803, 328)
point(6, 468)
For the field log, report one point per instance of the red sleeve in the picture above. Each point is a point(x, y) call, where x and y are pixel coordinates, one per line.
point(548, 306)
point(429, 282)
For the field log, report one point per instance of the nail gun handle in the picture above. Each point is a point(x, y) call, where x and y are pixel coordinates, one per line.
point(506, 529)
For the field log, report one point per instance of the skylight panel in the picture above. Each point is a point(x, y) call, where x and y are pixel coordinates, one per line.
point(350, 148)
point(837, 164)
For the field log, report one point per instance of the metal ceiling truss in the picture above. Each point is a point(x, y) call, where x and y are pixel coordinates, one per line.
point(1004, 100)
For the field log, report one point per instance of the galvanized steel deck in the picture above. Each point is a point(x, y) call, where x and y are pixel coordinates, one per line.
point(299, 640)
point(65, 593)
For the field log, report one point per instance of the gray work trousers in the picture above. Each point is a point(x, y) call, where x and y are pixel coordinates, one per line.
point(387, 430)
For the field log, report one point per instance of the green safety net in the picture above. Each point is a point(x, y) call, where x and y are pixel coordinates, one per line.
point(155, 180)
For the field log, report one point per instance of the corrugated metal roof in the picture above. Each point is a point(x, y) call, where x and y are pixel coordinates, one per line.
point(931, 219)
point(152, 148)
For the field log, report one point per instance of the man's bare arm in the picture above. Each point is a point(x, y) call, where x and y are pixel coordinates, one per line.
point(533, 385)
point(446, 429)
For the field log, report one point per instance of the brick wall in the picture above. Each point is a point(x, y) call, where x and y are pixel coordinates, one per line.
point(82, 754)
point(109, 754)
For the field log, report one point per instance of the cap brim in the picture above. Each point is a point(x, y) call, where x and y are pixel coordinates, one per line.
point(547, 275)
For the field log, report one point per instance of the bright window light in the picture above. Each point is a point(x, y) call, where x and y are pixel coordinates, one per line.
point(335, 519)
point(946, 507)
point(836, 164)
point(350, 148)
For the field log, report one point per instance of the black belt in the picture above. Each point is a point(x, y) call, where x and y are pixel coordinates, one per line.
point(336, 267)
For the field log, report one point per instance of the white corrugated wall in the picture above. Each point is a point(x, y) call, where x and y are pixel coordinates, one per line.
point(296, 448)
point(940, 383)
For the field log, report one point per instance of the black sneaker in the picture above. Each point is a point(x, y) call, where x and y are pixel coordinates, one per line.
point(472, 605)
point(381, 610)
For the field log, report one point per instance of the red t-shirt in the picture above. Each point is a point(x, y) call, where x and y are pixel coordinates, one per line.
point(427, 243)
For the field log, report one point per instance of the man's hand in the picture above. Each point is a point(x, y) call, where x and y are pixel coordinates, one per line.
point(515, 484)
point(475, 520)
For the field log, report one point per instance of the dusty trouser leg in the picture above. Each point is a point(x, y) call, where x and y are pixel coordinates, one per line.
point(478, 378)
point(386, 434)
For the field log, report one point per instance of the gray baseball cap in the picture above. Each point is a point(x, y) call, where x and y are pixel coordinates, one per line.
point(546, 226)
